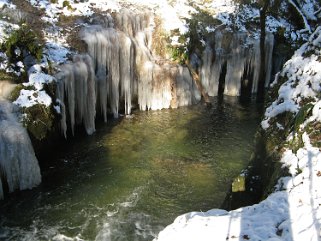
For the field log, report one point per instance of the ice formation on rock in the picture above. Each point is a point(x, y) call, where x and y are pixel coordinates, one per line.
point(124, 71)
point(19, 167)
point(242, 58)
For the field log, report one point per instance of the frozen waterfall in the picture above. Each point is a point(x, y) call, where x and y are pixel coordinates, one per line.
point(120, 69)
point(241, 55)
point(19, 167)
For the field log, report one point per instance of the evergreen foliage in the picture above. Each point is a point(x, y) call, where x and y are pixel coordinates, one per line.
point(21, 43)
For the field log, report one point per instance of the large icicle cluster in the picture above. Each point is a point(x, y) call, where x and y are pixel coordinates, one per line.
point(76, 83)
point(19, 167)
point(124, 70)
point(241, 56)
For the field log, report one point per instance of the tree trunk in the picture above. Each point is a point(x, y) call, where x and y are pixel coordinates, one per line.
point(198, 83)
point(262, 74)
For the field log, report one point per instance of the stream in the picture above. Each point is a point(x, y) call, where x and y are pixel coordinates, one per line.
point(134, 175)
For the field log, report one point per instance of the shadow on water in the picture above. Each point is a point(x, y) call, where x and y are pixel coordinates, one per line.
point(133, 177)
point(287, 214)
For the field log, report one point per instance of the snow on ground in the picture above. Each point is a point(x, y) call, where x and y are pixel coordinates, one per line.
point(53, 10)
point(36, 95)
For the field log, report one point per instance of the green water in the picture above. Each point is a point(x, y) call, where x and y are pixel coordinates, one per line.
point(135, 175)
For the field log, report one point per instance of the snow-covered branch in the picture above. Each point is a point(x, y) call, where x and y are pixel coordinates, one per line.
point(306, 24)
point(317, 12)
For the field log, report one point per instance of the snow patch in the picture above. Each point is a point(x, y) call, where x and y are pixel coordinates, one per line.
point(36, 95)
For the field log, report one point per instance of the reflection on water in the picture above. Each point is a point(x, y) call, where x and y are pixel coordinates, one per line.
point(134, 176)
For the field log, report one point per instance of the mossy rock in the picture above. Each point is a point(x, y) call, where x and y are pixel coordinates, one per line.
point(238, 184)
point(38, 119)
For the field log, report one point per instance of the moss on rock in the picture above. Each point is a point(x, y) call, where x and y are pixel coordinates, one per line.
point(38, 119)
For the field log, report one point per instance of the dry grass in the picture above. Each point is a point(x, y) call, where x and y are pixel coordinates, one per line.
point(159, 39)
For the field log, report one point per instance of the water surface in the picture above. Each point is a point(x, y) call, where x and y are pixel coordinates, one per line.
point(135, 175)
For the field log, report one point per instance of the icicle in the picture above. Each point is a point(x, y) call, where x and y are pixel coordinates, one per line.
point(235, 66)
point(80, 79)
point(60, 99)
point(18, 163)
point(187, 93)
point(70, 91)
point(256, 65)
point(242, 55)
point(161, 94)
point(90, 112)
point(183, 88)
point(126, 70)
point(113, 67)
point(145, 73)
point(77, 81)
point(101, 75)
point(206, 68)
point(269, 44)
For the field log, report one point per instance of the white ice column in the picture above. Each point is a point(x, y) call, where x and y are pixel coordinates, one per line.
point(269, 45)
point(235, 66)
point(18, 163)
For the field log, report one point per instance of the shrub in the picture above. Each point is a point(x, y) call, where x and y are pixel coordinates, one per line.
point(21, 43)
point(66, 4)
